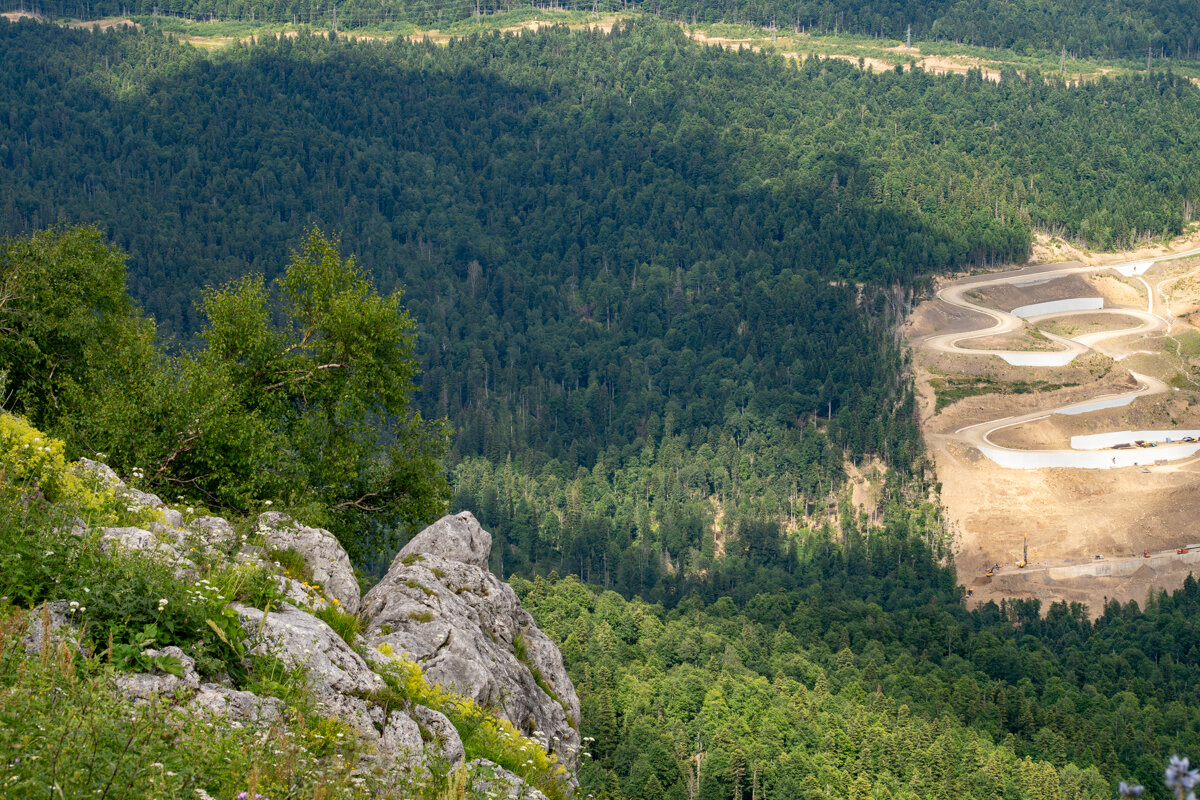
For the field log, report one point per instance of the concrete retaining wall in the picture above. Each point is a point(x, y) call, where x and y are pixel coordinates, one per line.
point(1099, 441)
point(1120, 567)
point(1135, 267)
point(1058, 358)
point(1059, 306)
point(1096, 405)
point(1104, 459)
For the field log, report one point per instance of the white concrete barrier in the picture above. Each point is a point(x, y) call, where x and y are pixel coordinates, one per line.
point(1093, 459)
point(1121, 568)
point(1099, 441)
point(1020, 358)
point(1059, 306)
point(1097, 405)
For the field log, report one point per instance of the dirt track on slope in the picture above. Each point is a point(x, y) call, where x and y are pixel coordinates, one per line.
point(1068, 515)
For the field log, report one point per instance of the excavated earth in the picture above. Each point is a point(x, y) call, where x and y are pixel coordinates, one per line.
point(1066, 516)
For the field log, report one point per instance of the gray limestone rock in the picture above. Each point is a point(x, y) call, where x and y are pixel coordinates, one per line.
point(239, 707)
point(467, 631)
point(331, 568)
point(446, 744)
point(51, 623)
point(401, 741)
point(338, 676)
point(296, 594)
point(103, 473)
point(136, 498)
point(214, 533)
point(495, 781)
point(156, 683)
point(138, 539)
point(457, 537)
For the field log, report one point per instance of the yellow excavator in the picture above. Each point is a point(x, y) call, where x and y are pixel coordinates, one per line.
point(1024, 554)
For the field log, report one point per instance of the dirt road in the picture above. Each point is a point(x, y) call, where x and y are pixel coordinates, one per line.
point(1035, 385)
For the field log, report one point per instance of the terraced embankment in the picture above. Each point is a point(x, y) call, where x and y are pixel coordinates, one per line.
point(1060, 407)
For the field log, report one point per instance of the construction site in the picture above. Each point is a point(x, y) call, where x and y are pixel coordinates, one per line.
point(1061, 404)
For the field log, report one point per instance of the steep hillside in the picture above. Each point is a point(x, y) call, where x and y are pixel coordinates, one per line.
point(147, 650)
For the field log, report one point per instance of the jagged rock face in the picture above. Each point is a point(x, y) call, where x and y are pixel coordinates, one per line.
point(446, 745)
point(330, 565)
point(438, 604)
point(147, 685)
point(466, 629)
point(456, 537)
point(239, 707)
point(339, 677)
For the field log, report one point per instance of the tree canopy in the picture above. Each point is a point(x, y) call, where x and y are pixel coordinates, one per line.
point(300, 393)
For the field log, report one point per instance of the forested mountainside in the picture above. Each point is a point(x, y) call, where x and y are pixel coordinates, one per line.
point(1104, 28)
point(653, 287)
point(633, 261)
point(868, 678)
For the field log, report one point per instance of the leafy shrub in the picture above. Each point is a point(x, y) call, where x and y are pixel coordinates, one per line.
point(32, 466)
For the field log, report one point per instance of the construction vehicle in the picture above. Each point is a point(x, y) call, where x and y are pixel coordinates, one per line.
point(1024, 554)
point(1145, 554)
point(989, 573)
point(1182, 550)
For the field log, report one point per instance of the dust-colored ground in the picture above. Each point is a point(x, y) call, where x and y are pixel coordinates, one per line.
point(1048, 249)
point(1025, 339)
point(1079, 324)
point(1068, 516)
point(105, 24)
point(1008, 297)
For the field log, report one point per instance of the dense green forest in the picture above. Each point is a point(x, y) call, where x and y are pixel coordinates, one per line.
point(632, 260)
point(653, 288)
point(864, 677)
point(1108, 28)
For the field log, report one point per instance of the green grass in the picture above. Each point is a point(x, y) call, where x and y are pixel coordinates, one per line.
point(412, 584)
point(1189, 344)
point(65, 733)
point(346, 625)
point(293, 564)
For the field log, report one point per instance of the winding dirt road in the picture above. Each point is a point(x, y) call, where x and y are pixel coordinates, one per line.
point(1103, 451)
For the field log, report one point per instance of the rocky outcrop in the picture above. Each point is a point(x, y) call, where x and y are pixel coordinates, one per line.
point(341, 681)
point(183, 683)
point(445, 744)
point(51, 624)
point(494, 780)
point(239, 707)
point(331, 568)
point(158, 683)
point(440, 606)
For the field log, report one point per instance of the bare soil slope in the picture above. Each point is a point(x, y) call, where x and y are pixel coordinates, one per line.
point(1067, 516)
